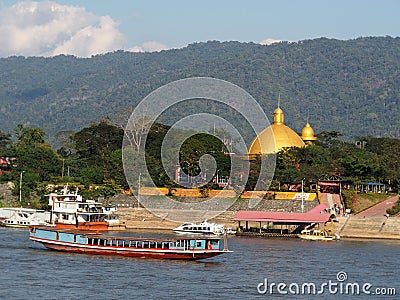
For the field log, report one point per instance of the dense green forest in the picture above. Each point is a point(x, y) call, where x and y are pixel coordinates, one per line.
point(350, 86)
point(92, 157)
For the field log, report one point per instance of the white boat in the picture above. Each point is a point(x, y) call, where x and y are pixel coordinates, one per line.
point(202, 228)
point(70, 210)
point(230, 231)
point(22, 218)
point(318, 235)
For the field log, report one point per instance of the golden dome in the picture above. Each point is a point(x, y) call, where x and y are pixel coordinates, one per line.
point(307, 134)
point(275, 137)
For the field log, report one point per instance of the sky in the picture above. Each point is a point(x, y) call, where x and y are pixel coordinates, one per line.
point(86, 28)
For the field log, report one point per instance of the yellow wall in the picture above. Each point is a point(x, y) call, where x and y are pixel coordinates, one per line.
point(180, 192)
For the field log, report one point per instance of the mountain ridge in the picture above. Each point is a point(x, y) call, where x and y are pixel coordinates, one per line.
point(349, 86)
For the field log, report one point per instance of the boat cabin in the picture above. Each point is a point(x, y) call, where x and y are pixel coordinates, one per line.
point(99, 240)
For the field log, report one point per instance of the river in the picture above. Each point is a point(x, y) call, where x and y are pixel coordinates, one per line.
point(259, 268)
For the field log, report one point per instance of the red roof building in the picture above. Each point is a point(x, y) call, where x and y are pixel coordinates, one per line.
point(289, 222)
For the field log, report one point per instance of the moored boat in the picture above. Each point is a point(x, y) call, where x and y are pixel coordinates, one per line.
point(23, 218)
point(70, 210)
point(317, 235)
point(86, 242)
point(202, 228)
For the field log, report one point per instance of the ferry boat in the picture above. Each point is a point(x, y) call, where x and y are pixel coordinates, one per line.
point(86, 242)
point(25, 217)
point(318, 235)
point(70, 210)
point(202, 228)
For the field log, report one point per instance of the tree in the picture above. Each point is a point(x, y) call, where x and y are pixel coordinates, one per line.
point(33, 158)
point(63, 143)
point(5, 141)
point(28, 136)
point(40, 160)
point(97, 152)
point(95, 142)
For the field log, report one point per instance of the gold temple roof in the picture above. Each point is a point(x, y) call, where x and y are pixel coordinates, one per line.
point(307, 134)
point(275, 137)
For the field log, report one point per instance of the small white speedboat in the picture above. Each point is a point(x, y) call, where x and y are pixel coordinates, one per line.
point(23, 219)
point(202, 228)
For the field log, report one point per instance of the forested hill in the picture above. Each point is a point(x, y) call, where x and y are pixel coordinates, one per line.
point(352, 86)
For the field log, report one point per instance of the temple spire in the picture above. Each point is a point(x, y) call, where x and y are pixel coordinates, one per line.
point(278, 113)
point(279, 100)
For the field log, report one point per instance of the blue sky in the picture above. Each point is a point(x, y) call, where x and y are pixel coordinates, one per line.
point(154, 25)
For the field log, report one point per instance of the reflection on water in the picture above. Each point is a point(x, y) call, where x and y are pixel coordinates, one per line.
point(27, 269)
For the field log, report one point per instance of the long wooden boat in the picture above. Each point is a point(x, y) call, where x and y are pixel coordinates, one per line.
point(77, 241)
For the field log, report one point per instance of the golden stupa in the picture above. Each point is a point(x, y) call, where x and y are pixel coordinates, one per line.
point(307, 134)
point(275, 137)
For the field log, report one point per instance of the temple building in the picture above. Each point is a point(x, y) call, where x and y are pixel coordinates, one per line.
point(278, 136)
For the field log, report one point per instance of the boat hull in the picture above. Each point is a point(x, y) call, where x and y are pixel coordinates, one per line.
point(13, 225)
point(148, 254)
point(91, 226)
point(316, 238)
point(193, 232)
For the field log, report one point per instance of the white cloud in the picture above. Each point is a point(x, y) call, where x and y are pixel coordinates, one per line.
point(269, 41)
point(148, 47)
point(92, 39)
point(46, 28)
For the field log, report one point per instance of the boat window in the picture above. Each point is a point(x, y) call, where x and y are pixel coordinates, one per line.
point(198, 244)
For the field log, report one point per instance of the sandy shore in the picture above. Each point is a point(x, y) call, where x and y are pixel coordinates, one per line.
point(141, 218)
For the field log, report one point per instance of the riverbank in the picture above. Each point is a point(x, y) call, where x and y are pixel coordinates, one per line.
point(141, 218)
point(347, 227)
